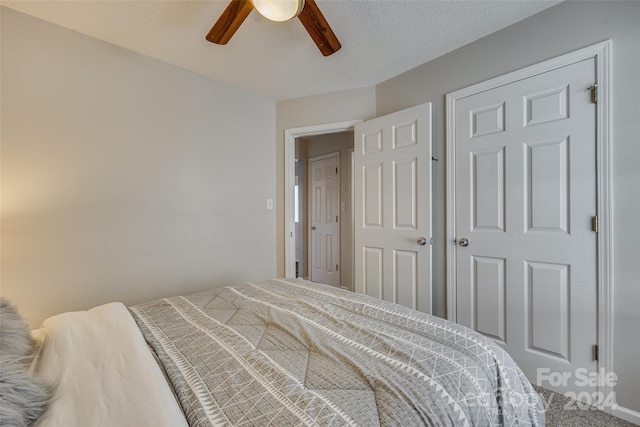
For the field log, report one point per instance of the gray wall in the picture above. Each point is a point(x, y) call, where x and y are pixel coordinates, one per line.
point(124, 178)
point(555, 31)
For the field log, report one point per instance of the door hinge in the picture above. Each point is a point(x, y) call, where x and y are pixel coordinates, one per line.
point(594, 352)
point(336, 218)
point(336, 171)
point(594, 93)
point(336, 267)
point(594, 224)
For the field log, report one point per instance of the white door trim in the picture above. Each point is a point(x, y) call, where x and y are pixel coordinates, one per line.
point(352, 182)
point(602, 54)
point(290, 136)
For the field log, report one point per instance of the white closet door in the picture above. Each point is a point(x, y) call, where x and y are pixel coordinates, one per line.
point(525, 197)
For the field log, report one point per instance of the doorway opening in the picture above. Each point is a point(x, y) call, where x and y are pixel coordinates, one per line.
point(324, 209)
point(300, 145)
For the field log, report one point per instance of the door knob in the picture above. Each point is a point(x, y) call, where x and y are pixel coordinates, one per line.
point(422, 241)
point(464, 242)
point(313, 227)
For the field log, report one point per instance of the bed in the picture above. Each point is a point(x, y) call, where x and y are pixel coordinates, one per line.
point(279, 352)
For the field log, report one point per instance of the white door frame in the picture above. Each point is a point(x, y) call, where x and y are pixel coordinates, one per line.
point(290, 136)
point(602, 54)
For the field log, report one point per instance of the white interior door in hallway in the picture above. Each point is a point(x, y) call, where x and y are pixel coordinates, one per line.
point(525, 196)
point(392, 207)
point(324, 212)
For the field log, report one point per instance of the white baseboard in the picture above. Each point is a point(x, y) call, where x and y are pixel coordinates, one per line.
point(625, 414)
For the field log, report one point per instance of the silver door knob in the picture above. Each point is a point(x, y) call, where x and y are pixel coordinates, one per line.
point(422, 241)
point(464, 242)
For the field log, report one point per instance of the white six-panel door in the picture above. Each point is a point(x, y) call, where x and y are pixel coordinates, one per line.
point(324, 211)
point(525, 186)
point(392, 156)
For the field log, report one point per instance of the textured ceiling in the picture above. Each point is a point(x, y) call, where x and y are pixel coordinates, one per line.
point(380, 38)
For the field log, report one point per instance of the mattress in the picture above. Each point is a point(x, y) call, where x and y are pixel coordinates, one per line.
point(291, 352)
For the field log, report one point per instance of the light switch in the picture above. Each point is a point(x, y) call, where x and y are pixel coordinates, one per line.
point(269, 204)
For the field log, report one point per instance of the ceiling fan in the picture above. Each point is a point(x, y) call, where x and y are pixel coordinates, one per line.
point(307, 12)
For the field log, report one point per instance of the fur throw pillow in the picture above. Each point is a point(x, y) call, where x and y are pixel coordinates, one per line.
point(23, 398)
point(15, 336)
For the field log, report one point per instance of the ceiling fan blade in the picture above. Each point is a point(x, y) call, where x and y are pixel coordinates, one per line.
point(230, 20)
point(318, 28)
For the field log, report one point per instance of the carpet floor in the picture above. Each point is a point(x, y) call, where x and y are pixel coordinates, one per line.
point(562, 411)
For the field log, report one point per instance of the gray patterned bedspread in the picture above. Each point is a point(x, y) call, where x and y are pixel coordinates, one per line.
point(289, 353)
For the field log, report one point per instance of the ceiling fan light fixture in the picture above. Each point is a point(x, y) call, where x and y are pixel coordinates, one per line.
point(307, 12)
point(278, 10)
